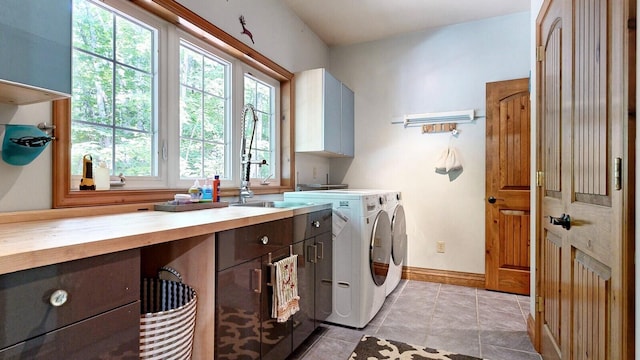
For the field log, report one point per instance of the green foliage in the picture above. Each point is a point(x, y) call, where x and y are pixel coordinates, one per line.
point(112, 101)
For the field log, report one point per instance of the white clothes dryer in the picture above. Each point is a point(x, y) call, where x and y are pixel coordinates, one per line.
point(393, 206)
point(361, 252)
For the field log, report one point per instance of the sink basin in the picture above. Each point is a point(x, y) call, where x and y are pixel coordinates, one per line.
point(298, 207)
point(273, 204)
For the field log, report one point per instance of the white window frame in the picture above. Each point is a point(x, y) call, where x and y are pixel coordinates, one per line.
point(167, 108)
point(136, 14)
point(275, 131)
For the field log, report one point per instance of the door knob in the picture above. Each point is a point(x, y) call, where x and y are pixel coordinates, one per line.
point(564, 220)
point(492, 199)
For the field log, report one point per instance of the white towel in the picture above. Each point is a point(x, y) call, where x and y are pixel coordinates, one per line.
point(448, 161)
point(285, 288)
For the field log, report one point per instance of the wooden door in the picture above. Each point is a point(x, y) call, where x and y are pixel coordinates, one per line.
point(584, 255)
point(508, 186)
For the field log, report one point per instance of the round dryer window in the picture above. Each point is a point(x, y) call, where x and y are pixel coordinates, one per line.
point(380, 253)
point(398, 235)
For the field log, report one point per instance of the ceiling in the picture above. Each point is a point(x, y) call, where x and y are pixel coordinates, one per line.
point(345, 22)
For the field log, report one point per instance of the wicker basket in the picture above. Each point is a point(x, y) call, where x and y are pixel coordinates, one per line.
point(168, 318)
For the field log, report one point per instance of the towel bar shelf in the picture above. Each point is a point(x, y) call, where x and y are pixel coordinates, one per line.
point(272, 274)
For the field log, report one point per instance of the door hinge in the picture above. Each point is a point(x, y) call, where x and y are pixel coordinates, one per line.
point(539, 304)
point(617, 174)
point(540, 53)
point(539, 178)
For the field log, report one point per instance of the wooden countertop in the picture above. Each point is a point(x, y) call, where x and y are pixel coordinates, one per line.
point(29, 244)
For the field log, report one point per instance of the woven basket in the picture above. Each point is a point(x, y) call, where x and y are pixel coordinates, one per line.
point(168, 318)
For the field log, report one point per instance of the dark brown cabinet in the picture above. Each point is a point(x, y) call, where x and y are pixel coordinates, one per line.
point(244, 326)
point(313, 244)
point(80, 309)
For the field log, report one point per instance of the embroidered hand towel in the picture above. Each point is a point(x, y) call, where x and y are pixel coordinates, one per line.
point(285, 288)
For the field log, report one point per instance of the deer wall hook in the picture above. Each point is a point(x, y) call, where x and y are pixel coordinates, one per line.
point(244, 29)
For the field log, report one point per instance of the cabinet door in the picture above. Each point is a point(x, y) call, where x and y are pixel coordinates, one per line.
point(111, 335)
point(303, 320)
point(347, 122)
point(276, 337)
point(238, 292)
point(324, 276)
point(332, 113)
point(35, 36)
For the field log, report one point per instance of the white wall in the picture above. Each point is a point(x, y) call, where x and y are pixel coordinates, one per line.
point(445, 69)
point(26, 187)
point(278, 33)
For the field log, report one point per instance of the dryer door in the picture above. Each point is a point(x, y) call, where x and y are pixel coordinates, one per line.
point(398, 235)
point(380, 248)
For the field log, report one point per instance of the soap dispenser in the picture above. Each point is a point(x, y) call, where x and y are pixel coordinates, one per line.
point(195, 191)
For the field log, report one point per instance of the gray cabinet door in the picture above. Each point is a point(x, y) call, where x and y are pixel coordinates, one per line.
point(347, 122)
point(35, 38)
point(332, 113)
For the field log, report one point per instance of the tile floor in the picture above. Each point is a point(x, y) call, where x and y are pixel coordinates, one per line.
point(470, 321)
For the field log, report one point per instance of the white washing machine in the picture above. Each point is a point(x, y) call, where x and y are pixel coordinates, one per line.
point(393, 207)
point(361, 252)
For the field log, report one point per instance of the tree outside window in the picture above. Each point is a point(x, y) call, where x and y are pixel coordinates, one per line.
point(113, 106)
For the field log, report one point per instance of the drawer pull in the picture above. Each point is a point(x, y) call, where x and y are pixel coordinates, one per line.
point(58, 298)
point(315, 224)
point(264, 240)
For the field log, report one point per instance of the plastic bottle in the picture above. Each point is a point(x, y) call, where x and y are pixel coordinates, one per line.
point(195, 191)
point(216, 188)
point(207, 191)
point(101, 176)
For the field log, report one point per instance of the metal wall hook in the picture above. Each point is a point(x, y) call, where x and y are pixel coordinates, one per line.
point(48, 129)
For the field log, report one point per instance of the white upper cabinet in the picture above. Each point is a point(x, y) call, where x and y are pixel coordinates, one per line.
point(324, 114)
point(35, 50)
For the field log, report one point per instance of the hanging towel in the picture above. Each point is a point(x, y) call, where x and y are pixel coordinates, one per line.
point(448, 161)
point(338, 223)
point(285, 288)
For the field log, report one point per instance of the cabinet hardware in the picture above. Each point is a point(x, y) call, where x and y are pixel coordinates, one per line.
point(315, 224)
point(58, 298)
point(258, 273)
point(617, 174)
point(321, 252)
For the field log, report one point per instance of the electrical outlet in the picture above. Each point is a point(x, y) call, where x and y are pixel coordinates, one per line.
point(440, 246)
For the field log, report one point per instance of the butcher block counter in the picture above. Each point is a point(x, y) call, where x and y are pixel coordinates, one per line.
point(44, 239)
point(36, 241)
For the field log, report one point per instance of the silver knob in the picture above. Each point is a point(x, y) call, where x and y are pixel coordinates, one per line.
point(315, 224)
point(58, 298)
point(264, 240)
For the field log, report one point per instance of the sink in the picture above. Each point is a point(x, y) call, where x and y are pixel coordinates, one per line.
point(298, 207)
point(273, 204)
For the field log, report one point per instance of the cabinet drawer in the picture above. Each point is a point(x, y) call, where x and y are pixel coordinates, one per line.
point(112, 335)
point(94, 285)
point(311, 224)
point(242, 244)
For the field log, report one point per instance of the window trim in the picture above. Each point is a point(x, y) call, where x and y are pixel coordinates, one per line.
point(197, 26)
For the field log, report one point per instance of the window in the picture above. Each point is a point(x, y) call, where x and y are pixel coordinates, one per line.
point(263, 97)
point(159, 100)
point(204, 114)
point(114, 87)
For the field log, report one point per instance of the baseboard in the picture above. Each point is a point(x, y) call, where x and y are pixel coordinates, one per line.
point(443, 276)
